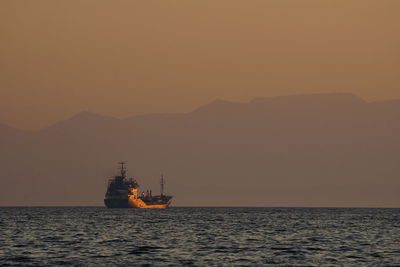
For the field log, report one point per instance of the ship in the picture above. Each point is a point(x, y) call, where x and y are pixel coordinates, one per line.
point(123, 192)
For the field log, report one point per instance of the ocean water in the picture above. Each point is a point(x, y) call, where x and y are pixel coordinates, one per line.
point(96, 236)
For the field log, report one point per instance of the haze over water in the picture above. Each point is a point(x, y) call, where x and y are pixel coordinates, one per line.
point(200, 236)
point(254, 103)
point(292, 103)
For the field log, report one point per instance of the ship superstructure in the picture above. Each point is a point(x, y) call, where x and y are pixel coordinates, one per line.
point(123, 192)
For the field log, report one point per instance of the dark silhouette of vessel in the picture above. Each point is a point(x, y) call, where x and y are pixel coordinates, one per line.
point(123, 192)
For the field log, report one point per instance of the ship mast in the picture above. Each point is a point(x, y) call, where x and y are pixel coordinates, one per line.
point(162, 184)
point(123, 169)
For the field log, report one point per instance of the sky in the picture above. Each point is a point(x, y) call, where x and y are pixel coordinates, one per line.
point(125, 58)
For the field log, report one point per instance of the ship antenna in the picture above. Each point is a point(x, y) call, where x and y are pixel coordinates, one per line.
point(123, 169)
point(162, 184)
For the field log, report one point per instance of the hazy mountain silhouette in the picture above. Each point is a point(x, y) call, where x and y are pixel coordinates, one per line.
point(299, 150)
point(8, 132)
point(81, 123)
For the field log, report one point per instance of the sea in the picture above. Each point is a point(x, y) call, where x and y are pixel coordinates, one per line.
point(199, 236)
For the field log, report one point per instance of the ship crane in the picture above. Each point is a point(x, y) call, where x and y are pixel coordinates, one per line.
point(162, 185)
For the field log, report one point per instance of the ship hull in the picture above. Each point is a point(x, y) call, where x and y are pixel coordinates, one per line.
point(116, 203)
point(138, 203)
point(134, 203)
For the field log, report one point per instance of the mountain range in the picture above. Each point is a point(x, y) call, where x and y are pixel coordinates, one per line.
point(333, 150)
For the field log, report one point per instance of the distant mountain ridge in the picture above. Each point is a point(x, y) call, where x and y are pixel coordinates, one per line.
point(6, 129)
point(338, 100)
point(81, 120)
point(296, 150)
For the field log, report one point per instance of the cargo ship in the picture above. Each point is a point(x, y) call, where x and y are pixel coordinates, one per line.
point(123, 192)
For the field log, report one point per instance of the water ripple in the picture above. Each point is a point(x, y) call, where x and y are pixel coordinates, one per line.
point(199, 237)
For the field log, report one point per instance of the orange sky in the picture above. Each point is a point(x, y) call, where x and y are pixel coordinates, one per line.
point(124, 58)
